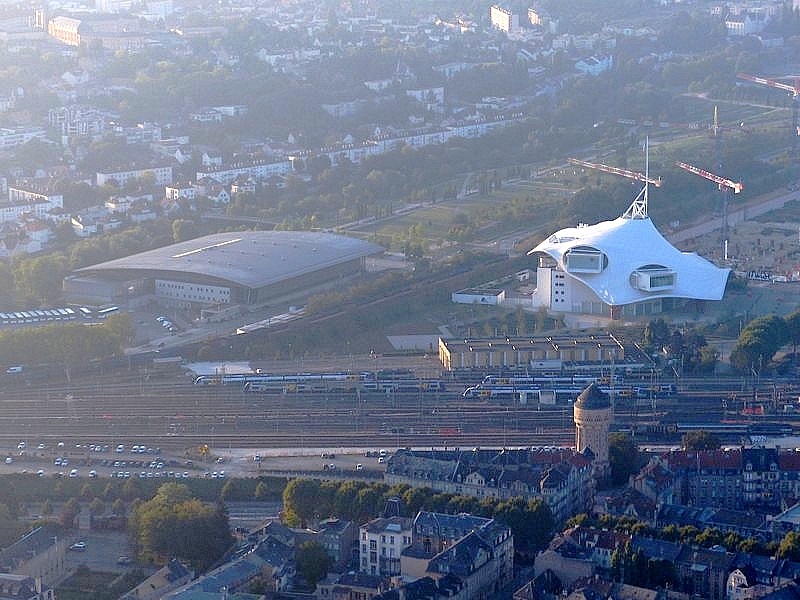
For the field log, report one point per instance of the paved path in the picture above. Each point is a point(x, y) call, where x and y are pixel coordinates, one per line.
point(758, 207)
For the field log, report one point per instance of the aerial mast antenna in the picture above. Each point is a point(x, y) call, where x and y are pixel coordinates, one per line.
point(638, 208)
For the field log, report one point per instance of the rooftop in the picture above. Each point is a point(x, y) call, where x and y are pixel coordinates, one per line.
point(251, 259)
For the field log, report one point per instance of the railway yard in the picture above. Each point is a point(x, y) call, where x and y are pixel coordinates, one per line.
point(171, 414)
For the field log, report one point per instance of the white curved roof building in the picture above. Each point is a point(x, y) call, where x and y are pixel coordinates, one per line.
point(621, 263)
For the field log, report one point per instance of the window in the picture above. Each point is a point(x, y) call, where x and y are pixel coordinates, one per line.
point(391, 539)
point(373, 545)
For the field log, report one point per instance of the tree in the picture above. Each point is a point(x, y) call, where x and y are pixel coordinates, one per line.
point(183, 230)
point(173, 524)
point(623, 456)
point(312, 562)
point(10, 529)
point(69, 512)
point(300, 500)
point(758, 343)
point(793, 330)
point(97, 506)
point(789, 547)
point(261, 491)
point(227, 490)
point(118, 506)
point(699, 440)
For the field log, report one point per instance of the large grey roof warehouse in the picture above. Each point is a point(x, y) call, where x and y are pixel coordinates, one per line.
point(250, 260)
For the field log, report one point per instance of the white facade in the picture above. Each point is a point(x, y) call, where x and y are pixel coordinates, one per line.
point(380, 544)
point(257, 170)
point(10, 138)
point(162, 175)
point(503, 19)
point(27, 202)
point(620, 262)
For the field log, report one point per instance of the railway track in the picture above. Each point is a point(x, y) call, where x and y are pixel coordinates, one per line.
point(166, 410)
point(173, 413)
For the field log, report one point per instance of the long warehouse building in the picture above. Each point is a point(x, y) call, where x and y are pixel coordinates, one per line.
point(242, 267)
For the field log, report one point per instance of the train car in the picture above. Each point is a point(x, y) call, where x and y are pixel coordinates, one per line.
point(303, 382)
point(498, 392)
point(770, 429)
point(714, 428)
point(540, 380)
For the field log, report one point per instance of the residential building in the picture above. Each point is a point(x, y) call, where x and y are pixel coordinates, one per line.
point(168, 578)
point(561, 477)
point(37, 561)
point(337, 536)
point(162, 175)
point(354, 585)
point(503, 19)
point(258, 170)
point(381, 541)
point(270, 560)
point(479, 552)
point(76, 120)
point(12, 137)
point(65, 29)
point(30, 198)
point(22, 586)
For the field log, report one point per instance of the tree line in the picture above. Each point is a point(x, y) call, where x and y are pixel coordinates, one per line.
point(306, 500)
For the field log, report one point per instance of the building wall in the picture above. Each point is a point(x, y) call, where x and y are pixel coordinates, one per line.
point(591, 431)
point(162, 175)
point(192, 292)
point(379, 551)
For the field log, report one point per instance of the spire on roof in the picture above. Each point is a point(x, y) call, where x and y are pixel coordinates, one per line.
point(638, 208)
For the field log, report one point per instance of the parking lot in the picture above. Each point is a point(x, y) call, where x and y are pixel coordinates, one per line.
point(106, 551)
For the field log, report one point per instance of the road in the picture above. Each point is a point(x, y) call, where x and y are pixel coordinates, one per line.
point(752, 210)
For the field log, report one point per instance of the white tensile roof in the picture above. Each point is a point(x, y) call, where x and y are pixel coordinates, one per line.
point(630, 244)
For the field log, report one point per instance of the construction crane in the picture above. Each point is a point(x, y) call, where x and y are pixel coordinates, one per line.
point(794, 91)
point(725, 185)
point(635, 175)
point(736, 186)
point(638, 208)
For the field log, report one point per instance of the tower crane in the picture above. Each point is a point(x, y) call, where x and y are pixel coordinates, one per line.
point(635, 175)
point(720, 181)
point(794, 92)
point(723, 188)
point(725, 185)
point(638, 208)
